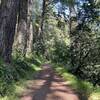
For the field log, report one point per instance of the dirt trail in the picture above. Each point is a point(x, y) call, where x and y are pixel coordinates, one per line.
point(48, 86)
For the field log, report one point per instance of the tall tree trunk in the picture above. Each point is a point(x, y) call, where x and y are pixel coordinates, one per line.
point(22, 27)
point(8, 17)
point(29, 28)
point(70, 20)
point(25, 28)
point(43, 16)
point(1, 30)
point(71, 36)
point(41, 32)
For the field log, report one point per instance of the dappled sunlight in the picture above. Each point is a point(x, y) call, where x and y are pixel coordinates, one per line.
point(49, 50)
point(94, 96)
point(48, 86)
point(85, 89)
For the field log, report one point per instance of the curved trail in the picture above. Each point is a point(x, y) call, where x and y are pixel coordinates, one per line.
point(48, 86)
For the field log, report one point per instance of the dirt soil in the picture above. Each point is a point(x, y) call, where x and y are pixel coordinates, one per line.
point(48, 85)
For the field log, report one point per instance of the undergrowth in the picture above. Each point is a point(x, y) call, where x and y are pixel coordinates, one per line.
point(14, 74)
point(85, 89)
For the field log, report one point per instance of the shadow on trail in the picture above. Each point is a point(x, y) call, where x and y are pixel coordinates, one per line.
point(45, 88)
point(50, 86)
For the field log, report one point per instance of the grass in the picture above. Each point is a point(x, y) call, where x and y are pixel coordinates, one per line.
point(86, 89)
point(15, 75)
point(20, 85)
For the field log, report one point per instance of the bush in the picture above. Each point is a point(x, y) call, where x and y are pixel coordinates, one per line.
point(20, 68)
point(84, 88)
point(61, 52)
point(7, 78)
point(85, 56)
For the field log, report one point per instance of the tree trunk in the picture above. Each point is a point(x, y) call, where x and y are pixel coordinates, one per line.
point(41, 32)
point(8, 17)
point(22, 26)
point(70, 21)
point(71, 36)
point(25, 29)
point(29, 28)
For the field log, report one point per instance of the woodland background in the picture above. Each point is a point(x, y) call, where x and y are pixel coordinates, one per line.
point(64, 32)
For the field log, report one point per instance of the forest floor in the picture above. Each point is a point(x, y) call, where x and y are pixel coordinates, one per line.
point(48, 85)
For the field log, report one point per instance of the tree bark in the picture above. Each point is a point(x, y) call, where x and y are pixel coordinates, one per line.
point(8, 17)
point(41, 32)
point(22, 27)
point(29, 28)
point(24, 34)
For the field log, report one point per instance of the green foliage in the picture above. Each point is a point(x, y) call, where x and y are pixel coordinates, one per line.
point(85, 55)
point(85, 88)
point(68, 2)
point(7, 78)
point(80, 49)
point(20, 68)
point(61, 52)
